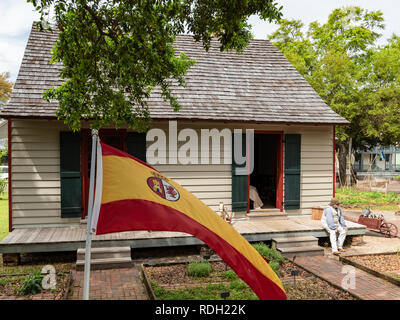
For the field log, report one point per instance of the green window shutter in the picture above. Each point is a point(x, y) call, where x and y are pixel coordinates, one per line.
point(70, 175)
point(292, 171)
point(239, 182)
point(136, 145)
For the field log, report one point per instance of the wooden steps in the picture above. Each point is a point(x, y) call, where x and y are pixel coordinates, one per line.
point(271, 214)
point(297, 246)
point(105, 258)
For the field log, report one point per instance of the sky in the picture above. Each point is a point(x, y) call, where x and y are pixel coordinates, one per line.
point(16, 17)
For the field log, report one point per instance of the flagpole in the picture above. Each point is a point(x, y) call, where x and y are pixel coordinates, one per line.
point(86, 279)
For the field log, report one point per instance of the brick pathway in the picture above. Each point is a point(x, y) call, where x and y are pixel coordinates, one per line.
point(367, 286)
point(113, 284)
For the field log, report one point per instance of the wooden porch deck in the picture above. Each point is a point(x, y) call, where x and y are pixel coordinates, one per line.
point(72, 238)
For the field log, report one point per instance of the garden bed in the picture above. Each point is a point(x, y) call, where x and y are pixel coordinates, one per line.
point(385, 266)
point(12, 280)
point(174, 282)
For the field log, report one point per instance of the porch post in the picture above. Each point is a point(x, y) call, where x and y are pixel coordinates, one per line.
point(86, 279)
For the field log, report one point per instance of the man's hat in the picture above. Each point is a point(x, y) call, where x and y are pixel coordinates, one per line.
point(334, 201)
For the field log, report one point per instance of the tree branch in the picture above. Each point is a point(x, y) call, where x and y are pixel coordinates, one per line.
point(99, 24)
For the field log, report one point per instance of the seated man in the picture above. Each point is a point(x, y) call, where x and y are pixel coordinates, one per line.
point(333, 221)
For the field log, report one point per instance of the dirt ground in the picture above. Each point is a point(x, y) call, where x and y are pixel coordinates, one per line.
point(10, 286)
point(307, 287)
point(387, 264)
point(12, 277)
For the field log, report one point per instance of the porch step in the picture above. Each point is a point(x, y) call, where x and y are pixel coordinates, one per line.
point(289, 242)
point(105, 258)
point(265, 210)
point(271, 215)
point(297, 246)
point(302, 251)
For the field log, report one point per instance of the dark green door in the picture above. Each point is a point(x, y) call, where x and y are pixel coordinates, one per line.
point(239, 181)
point(292, 171)
point(136, 145)
point(70, 175)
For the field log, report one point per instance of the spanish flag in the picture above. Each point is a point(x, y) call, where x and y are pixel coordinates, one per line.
point(135, 196)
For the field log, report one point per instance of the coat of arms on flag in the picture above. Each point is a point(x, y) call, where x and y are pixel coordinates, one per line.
point(163, 188)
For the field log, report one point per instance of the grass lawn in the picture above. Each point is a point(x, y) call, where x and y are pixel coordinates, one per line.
point(372, 199)
point(3, 216)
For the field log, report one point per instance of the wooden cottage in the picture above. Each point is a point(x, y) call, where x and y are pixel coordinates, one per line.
point(294, 164)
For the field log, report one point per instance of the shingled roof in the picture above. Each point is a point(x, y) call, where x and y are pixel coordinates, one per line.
point(259, 85)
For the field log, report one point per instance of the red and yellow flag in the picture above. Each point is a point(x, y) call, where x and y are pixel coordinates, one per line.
point(135, 196)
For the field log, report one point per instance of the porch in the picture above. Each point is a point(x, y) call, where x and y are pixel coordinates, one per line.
point(29, 240)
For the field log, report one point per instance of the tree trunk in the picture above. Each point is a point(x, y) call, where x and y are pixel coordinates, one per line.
point(342, 157)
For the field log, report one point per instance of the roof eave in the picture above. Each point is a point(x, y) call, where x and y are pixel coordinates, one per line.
point(342, 123)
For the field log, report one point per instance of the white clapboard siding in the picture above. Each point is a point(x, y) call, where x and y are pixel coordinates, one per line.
point(38, 198)
point(43, 206)
point(36, 162)
point(203, 181)
point(317, 192)
point(39, 146)
point(192, 169)
point(316, 186)
point(37, 185)
point(47, 221)
point(35, 168)
point(36, 213)
point(206, 188)
point(36, 154)
point(311, 155)
point(212, 182)
point(36, 174)
point(317, 161)
point(33, 139)
point(36, 193)
point(316, 176)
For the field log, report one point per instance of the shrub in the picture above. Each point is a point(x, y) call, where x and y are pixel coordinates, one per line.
point(32, 284)
point(268, 253)
point(275, 266)
point(237, 285)
point(4, 281)
point(199, 269)
point(230, 275)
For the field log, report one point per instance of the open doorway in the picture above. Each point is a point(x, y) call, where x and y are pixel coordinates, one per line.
point(264, 181)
